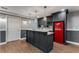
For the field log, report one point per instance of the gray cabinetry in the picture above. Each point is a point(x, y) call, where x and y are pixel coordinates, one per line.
point(40, 40)
point(23, 33)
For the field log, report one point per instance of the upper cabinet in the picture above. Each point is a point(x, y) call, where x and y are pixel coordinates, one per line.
point(42, 22)
point(49, 21)
point(60, 16)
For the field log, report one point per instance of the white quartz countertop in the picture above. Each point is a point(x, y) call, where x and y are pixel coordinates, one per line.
point(49, 31)
point(41, 30)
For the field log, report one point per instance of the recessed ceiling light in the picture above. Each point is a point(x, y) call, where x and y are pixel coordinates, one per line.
point(62, 9)
point(24, 22)
point(45, 19)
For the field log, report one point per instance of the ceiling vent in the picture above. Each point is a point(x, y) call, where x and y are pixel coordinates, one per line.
point(45, 6)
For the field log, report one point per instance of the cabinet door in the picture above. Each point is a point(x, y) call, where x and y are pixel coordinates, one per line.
point(30, 36)
point(46, 42)
point(43, 40)
point(50, 42)
point(37, 38)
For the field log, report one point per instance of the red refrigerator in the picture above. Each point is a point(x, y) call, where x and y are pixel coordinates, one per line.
point(59, 32)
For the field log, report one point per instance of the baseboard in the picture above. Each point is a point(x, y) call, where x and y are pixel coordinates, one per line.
point(75, 43)
point(11, 41)
point(22, 38)
point(3, 43)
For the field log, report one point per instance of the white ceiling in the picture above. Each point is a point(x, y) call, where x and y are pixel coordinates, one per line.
point(29, 11)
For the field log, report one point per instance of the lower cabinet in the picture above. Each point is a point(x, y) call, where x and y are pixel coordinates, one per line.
point(46, 42)
point(31, 40)
point(37, 38)
point(23, 33)
point(41, 40)
point(43, 43)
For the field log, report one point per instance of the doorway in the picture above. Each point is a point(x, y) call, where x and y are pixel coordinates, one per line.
point(13, 28)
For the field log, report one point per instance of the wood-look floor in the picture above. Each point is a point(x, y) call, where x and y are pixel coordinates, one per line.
point(20, 46)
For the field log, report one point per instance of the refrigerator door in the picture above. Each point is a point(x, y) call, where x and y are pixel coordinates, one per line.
point(59, 32)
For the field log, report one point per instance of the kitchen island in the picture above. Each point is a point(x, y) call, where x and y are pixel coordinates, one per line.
point(42, 39)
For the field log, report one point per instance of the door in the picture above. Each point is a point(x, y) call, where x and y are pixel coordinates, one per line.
point(3, 28)
point(59, 32)
point(13, 30)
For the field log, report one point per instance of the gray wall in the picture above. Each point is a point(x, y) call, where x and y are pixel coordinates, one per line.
point(11, 26)
point(73, 27)
point(33, 24)
point(25, 24)
point(73, 21)
point(2, 36)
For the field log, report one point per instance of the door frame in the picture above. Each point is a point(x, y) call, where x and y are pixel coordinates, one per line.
point(64, 41)
point(19, 38)
point(2, 43)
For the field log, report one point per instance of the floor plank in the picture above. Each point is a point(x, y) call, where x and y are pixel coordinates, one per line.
point(20, 46)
